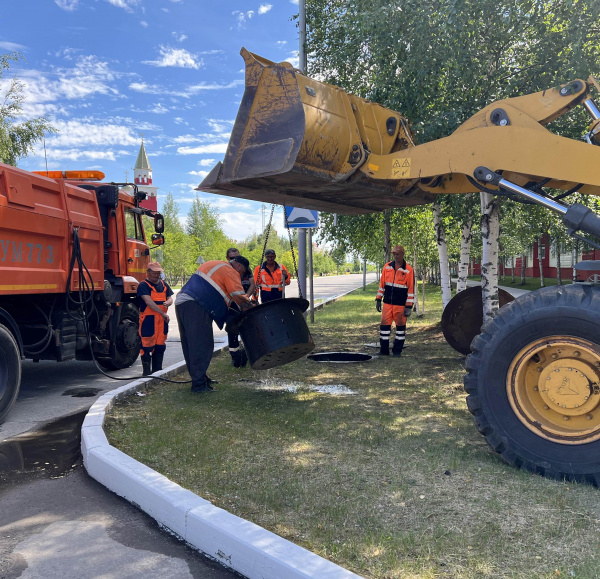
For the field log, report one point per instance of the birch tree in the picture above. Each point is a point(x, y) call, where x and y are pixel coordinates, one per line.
point(490, 230)
point(440, 239)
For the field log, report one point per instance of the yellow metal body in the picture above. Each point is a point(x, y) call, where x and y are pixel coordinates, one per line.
point(297, 141)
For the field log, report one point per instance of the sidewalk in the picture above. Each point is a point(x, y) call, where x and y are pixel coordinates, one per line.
point(513, 291)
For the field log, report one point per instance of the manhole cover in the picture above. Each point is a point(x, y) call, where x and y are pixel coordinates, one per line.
point(340, 357)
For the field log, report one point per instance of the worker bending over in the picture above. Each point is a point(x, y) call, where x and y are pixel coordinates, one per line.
point(271, 278)
point(154, 296)
point(239, 358)
point(396, 287)
point(207, 296)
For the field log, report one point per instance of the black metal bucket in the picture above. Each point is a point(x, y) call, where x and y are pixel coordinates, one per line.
point(274, 333)
point(463, 317)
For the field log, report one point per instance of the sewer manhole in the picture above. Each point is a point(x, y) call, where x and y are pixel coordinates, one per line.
point(340, 357)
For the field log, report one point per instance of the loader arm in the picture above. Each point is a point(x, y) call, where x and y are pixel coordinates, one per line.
point(300, 142)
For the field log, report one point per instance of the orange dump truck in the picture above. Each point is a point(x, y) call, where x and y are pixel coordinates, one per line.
point(72, 252)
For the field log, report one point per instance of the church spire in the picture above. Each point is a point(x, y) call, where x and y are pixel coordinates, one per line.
point(142, 177)
point(142, 159)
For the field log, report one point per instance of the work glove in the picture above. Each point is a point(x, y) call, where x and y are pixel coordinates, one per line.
point(378, 305)
point(407, 311)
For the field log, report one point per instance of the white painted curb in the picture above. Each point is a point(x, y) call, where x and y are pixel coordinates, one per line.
point(238, 544)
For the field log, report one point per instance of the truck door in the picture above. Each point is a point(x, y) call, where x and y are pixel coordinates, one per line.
point(137, 249)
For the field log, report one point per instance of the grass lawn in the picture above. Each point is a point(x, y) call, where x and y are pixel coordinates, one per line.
point(531, 283)
point(390, 481)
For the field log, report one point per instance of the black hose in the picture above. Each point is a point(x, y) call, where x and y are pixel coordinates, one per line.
point(83, 310)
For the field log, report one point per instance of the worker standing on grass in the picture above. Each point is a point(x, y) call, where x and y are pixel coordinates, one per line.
point(155, 297)
point(239, 357)
point(208, 295)
point(271, 278)
point(396, 287)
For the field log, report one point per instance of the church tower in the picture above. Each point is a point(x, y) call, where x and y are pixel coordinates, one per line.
point(142, 177)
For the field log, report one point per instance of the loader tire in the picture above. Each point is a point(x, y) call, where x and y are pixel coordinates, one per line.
point(10, 371)
point(126, 347)
point(533, 383)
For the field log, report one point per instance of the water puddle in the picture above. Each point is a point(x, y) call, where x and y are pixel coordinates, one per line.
point(82, 392)
point(51, 452)
point(274, 385)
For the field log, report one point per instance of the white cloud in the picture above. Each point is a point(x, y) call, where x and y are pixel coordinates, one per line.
point(264, 8)
point(127, 5)
point(214, 86)
point(176, 57)
point(11, 46)
point(67, 5)
point(178, 36)
point(143, 24)
point(219, 148)
point(200, 174)
point(281, 42)
point(294, 59)
point(207, 162)
point(71, 155)
point(242, 17)
point(74, 133)
point(294, 2)
point(87, 77)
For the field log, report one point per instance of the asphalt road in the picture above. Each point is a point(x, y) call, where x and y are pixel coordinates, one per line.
point(55, 521)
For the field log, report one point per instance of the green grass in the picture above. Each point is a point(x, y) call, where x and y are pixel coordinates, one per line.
point(391, 482)
point(531, 283)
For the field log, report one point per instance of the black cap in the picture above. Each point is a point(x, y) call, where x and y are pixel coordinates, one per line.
point(241, 259)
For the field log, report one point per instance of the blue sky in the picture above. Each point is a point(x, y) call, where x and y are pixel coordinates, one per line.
point(107, 71)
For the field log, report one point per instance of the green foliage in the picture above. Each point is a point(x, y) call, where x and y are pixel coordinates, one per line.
point(17, 136)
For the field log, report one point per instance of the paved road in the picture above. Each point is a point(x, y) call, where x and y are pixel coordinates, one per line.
point(56, 522)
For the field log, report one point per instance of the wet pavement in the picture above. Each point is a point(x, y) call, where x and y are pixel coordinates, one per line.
point(56, 522)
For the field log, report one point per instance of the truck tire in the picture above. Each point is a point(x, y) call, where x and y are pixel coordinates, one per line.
point(533, 383)
point(126, 347)
point(10, 371)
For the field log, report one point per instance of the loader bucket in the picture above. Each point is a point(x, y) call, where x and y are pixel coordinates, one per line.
point(300, 142)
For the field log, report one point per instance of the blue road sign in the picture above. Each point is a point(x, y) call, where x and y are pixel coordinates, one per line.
point(301, 217)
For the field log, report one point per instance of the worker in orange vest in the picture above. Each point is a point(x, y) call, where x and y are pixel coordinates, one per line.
point(209, 295)
point(396, 289)
point(155, 297)
point(271, 277)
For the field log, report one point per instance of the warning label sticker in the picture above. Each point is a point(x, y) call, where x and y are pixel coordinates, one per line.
point(401, 169)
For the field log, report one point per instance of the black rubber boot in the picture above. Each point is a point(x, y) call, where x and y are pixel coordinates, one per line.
point(236, 357)
point(384, 340)
point(399, 341)
point(146, 361)
point(157, 361)
point(244, 358)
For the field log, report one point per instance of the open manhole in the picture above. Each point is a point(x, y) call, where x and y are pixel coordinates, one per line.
point(340, 357)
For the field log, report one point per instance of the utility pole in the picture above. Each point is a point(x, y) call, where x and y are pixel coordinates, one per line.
point(302, 67)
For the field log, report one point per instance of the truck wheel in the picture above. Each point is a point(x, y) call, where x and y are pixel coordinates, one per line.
point(126, 347)
point(10, 371)
point(533, 383)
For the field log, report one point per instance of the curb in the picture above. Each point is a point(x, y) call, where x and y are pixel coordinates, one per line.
point(234, 542)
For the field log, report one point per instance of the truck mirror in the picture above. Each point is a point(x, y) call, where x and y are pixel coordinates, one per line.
point(159, 223)
point(158, 239)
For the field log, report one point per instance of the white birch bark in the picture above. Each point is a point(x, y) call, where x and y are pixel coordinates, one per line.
point(558, 265)
point(540, 264)
point(490, 230)
point(440, 237)
point(513, 268)
point(466, 236)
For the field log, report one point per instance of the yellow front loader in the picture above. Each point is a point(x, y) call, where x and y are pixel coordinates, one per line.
point(533, 377)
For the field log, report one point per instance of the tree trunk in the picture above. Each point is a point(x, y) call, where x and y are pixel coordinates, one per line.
point(523, 263)
point(513, 269)
point(574, 253)
point(540, 264)
point(465, 253)
point(558, 265)
point(490, 230)
point(440, 236)
point(416, 270)
point(387, 236)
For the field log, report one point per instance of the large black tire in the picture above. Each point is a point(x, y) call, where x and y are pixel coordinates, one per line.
point(126, 345)
point(10, 371)
point(533, 383)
